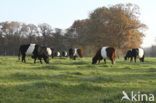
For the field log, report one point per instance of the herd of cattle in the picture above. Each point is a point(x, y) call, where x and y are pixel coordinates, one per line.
point(42, 52)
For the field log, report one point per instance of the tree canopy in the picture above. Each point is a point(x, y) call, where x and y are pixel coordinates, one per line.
point(118, 26)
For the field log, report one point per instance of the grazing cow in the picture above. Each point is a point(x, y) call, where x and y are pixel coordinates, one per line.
point(73, 53)
point(64, 54)
point(57, 54)
point(104, 53)
point(36, 51)
point(136, 53)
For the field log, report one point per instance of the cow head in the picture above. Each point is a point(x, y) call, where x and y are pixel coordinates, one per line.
point(128, 54)
point(79, 51)
point(74, 57)
point(125, 57)
point(94, 60)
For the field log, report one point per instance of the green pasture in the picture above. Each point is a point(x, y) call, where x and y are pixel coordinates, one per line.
point(69, 81)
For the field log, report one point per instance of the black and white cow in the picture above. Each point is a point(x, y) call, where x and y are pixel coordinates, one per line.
point(57, 54)
point(64, 54)
point(135, 53)
point(73, 53)
point(35, 51)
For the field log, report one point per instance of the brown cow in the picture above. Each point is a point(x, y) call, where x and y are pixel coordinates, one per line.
point(104, 53)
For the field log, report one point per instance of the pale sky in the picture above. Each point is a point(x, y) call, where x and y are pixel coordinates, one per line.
point(62, 13)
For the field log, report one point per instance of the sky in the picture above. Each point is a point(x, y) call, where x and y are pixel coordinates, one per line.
point(62, 13)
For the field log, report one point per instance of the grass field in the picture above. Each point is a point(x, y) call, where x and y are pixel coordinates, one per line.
point(68, 81)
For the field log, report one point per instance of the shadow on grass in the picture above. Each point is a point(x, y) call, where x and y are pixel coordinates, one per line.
point(152, 69)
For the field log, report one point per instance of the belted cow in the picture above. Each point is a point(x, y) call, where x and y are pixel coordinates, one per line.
point(135, 53)
point(57, 54)
point(64, 54)
point(74, 53)
point(35, 51)
point(104, 53)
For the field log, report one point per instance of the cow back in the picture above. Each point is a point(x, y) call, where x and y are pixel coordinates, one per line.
point(30, 49)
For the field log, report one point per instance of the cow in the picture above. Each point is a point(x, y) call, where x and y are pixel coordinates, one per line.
point(64, 54)
point(74, 53)
point(104, 53)
point(35, 51)
point(135, 53)
point(57, 54)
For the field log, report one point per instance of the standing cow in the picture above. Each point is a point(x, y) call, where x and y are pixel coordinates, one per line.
point(74, 53)
point(64, 54)
point(36, 51)
point(104, 53)
point(135, 53)
point(57, 54)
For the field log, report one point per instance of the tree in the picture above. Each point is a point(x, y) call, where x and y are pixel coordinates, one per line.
point(46, 32)
point(118, 26)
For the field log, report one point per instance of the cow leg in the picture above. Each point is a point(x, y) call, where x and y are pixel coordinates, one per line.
point(135, 59)
point(23, 58)
point(99, 61)
point(35, 57)
point(34, 60)
point(71, 57)
point(143, 59)
point(131, 59)
point(105, 61)
point(46, 60)
point(52, 55)
point(74, 58)
point(112, 61)
point(40, 60)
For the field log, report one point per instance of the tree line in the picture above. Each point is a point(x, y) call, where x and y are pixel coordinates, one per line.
point(118, 26)
point(13, 34)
